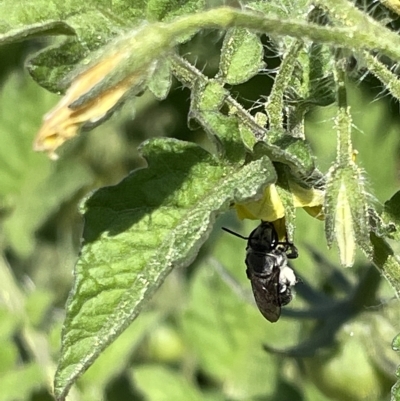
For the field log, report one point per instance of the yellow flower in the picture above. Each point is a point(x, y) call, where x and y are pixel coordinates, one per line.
point(270, 207)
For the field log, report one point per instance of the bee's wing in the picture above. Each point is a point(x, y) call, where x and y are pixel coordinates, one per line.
point(266, 293)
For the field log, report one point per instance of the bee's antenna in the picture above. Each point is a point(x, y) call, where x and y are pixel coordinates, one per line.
point(235, 234)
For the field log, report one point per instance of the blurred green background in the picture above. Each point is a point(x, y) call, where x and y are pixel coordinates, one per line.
point(202, 337)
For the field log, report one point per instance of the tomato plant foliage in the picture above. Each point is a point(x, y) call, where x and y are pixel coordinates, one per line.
point(262, 160)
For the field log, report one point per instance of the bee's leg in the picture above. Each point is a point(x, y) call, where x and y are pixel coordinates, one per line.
point(292, 252)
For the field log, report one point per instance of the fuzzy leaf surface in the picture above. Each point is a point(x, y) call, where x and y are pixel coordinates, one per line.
point(294, 152)
point(88, 26)
point(136, 232)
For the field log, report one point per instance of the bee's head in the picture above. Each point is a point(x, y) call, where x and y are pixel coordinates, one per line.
point(264, 238)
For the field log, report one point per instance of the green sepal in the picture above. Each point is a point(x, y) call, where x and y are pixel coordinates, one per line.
point(50, 67)
point(241, 56)
point(12, 34)
point(286, 197)
point(247, 136)
point(161, 80)
point(321, 84)
point(346, 210)
point(207, 99)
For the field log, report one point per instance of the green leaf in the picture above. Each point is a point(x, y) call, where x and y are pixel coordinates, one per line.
point(139, 230)
point(158, 383)
point(395, 391)
point(164, 10)
point(387, 261)
point(346, 372)
point(382, 330)
point(241, 56)
point(31, 185)
point(89, 19)
point(19, 384)
point(9, 355)
point(294, 152)
point(227, 333)
point(93, 24)
point(10, 320)
point(396, 387)
point(37, 305)
point(114, 360)
point(40, 197)
point(10, 323)
point(16, 134)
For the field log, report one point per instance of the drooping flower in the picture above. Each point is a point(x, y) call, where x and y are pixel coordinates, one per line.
point(121, 69)
point(271, 207)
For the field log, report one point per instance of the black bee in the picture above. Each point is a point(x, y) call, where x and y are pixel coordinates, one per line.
point(270, 276)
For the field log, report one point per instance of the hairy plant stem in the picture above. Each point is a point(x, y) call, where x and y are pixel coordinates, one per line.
point(343, 119)
point(387, 77)
point(187, 74)
point(360, 32)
